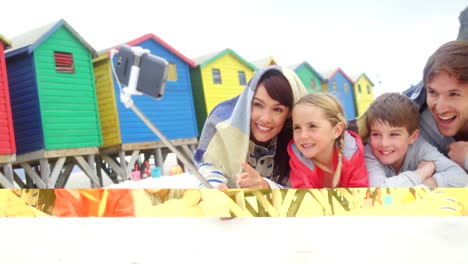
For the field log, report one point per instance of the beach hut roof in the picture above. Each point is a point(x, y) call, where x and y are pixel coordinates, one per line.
point(296, 66)
point(6, 42)
point(29, 41)
point(145, 37)
point(356, 77)
point(264, 62)
point(164, 44)
point(329, 74)
point(208, 58)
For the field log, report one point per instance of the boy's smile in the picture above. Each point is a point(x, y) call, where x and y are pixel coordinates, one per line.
point(390, 144)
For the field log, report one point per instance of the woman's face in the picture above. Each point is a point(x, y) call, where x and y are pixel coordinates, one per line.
point(267, 118)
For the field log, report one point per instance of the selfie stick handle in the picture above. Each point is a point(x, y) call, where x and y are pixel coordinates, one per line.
point(166, 142)
point(126, 99)
point(126, 94)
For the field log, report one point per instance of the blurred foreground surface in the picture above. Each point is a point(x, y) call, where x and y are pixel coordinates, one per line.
point(240, 240)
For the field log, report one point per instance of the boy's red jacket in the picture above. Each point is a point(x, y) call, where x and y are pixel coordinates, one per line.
point(304, 173)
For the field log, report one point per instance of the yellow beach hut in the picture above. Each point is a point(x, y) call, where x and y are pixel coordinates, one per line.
point(218, 77)
point(363, 92)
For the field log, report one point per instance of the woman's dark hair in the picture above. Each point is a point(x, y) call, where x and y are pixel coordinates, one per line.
point(279, 89)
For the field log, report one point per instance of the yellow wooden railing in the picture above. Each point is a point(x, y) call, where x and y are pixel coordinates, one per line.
point(272, 203)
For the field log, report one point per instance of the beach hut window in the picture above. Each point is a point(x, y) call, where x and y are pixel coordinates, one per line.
point(334, 86)
point(368, 89)
point(359, 88)
point(216, 76)
point(242, 80)
point(345, 87)
point(172, 72)
point(313, 85)
point(64, 62)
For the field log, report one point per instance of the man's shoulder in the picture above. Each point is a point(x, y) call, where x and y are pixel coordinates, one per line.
point(417, 93)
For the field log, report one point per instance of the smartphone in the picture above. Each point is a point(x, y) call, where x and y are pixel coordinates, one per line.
point(153, 71)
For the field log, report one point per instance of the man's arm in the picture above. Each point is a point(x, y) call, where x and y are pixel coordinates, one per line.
point(458, 152)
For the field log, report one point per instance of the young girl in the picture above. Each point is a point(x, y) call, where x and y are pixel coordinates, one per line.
point(323, 154)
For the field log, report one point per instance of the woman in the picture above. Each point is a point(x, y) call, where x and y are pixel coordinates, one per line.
point(239, 148)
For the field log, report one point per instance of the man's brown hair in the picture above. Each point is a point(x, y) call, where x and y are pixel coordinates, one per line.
point(395, 109)
point(450, 58)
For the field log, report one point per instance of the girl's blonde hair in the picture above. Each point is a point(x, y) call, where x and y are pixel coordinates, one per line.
point(334, 113)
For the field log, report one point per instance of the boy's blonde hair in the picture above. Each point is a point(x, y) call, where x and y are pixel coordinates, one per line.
point(334, 113)
point(395, 109)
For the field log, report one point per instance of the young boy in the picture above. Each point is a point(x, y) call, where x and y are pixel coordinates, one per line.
point(396, 156)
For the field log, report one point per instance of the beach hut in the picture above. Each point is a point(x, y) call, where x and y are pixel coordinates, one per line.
point(341, 85)
point(124, 133)
point(363, 92)
point(51, 81)
point(7, 137)
point(311, 79)
point(53, 102)
point(264, 62)
point(173, 114)
point(217, 77)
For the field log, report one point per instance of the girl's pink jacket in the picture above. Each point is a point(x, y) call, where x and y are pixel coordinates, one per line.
point(304, 173)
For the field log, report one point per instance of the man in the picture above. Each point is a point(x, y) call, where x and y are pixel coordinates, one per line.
point(443, 97)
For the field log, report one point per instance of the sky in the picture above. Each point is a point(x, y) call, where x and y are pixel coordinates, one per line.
point(389, 40)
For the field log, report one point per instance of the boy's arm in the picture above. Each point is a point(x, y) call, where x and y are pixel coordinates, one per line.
point(378, 175)
point(447, 172)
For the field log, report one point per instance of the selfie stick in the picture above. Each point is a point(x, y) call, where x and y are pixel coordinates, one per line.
point(126, 98)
